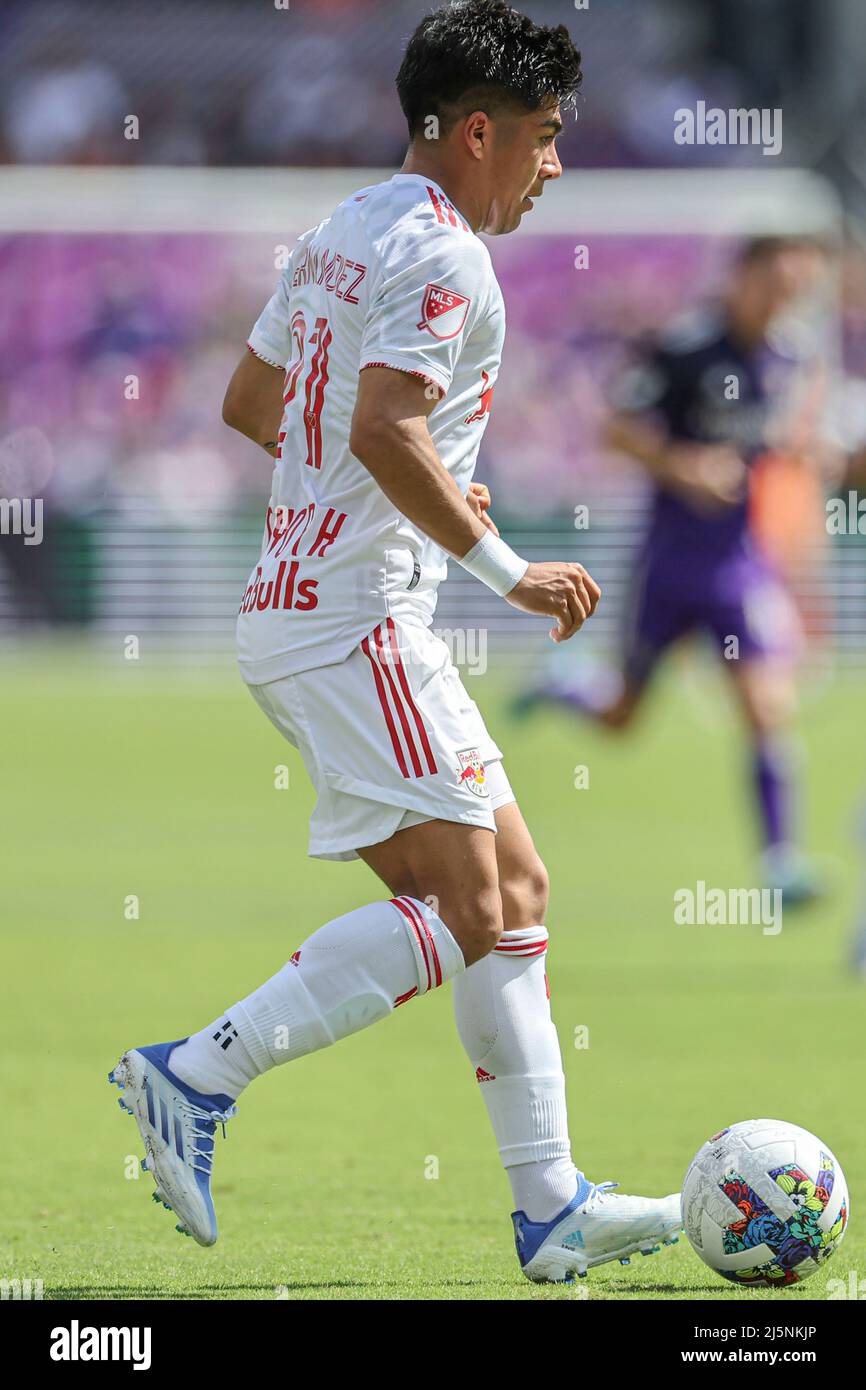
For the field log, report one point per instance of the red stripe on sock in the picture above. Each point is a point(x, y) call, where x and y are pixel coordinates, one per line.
point(430, 942)
point(403, 998)
point(401, 904)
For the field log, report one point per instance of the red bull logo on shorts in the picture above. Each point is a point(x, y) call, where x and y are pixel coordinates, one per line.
point(470, 772)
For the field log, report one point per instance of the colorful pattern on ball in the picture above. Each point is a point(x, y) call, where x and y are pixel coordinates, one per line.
point(793, 1241)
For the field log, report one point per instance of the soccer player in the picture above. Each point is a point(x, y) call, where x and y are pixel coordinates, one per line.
point(369, 378)
point(712, 396)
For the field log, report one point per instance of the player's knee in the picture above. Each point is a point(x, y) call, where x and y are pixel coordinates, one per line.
point(475, 921)
point(759, 719)
point(618, 716)
point(525, 894)
point(776, 709)
point(769, 704)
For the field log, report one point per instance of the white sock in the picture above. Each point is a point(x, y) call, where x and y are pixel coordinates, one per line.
point(348, 974)
point(502, 1007)
point(215, 1060)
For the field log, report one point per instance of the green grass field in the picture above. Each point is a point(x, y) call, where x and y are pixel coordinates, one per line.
point(159, 783)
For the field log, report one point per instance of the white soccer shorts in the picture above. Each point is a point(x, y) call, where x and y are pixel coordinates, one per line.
point(389, 738)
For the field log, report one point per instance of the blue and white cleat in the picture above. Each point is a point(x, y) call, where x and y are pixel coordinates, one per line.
point(597, 1226)
point(177, 1125)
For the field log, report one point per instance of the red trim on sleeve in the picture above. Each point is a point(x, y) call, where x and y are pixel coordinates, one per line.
point(261, 356)
point(409, 372)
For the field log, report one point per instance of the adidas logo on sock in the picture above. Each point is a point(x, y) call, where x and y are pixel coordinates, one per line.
point(227, 1033)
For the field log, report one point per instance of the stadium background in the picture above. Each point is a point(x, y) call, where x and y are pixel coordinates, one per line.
point(151, 257)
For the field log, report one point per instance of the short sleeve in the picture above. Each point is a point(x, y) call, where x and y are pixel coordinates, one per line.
point(425, 305)
point(270, 338)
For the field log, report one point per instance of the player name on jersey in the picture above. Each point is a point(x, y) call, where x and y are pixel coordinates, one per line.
point(329, 269)
point(287, 527)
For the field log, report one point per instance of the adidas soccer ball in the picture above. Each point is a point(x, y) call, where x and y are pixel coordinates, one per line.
point(764, 1203)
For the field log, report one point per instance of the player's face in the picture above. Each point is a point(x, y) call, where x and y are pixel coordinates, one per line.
point(524, 158)
point(770, 286)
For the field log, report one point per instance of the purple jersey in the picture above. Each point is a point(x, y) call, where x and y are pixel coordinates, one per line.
point(702, 387)
point(698, 572)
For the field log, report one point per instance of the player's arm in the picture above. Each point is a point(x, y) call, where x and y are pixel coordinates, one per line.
point(253, 402)
point(390, 436)
point(807, 428)
point(709, 476)
point(641, 441)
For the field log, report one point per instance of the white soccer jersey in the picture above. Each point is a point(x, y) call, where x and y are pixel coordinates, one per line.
point(396, 278)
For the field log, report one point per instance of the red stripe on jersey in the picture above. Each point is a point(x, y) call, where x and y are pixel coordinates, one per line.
point(386, 710)
point(298, 331)
point(437, 205)
point(320, 396)
point(317, 380)
point(404, 684)
point(445, 212)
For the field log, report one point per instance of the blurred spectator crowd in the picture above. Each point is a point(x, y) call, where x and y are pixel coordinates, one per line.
point(115, 349)
point(242, 82)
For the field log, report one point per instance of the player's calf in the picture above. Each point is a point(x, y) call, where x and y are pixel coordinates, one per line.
point(620, 715)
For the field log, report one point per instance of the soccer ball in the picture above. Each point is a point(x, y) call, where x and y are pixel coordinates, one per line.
point(764, 1203)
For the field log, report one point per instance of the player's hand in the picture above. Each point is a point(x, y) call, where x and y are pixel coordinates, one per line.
point(558, 590)
point(711, 477)
point(478, 498)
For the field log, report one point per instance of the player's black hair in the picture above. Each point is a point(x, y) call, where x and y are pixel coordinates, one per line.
point(765, 248)
point(482, 53)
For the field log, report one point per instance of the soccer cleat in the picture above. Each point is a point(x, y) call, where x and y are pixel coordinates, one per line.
point(595, 1227)
point(177, 1124)
point(794, 875)
point(586, 687)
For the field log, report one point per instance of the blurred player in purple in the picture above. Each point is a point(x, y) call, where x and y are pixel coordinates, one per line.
point(705, 401)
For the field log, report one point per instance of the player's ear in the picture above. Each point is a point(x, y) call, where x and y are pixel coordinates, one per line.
point(476, 132)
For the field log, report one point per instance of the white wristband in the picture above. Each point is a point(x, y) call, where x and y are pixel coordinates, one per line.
point(495, 564)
